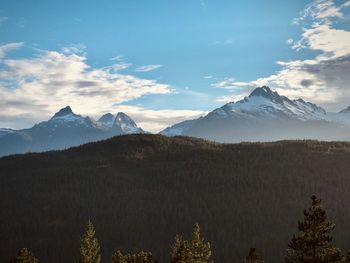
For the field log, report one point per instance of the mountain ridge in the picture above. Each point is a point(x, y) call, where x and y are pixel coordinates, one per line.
point(63, 130)
point(268, 113)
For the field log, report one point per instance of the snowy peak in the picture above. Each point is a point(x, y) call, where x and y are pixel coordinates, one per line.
point(263, 103)
point(63, 112)
point(126, 124)
point(107, 120)
point(267, 93)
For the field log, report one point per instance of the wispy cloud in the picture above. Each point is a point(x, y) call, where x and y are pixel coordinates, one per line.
point(227, 83)
point(35, 87)
point(4, 49)
point(147, 68)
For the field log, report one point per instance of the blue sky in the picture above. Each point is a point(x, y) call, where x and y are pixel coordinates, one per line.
point(165, 61)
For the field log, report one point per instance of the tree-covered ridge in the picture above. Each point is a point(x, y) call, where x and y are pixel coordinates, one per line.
point(139, 191)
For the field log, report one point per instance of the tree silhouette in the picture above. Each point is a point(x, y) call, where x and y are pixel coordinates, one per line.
point(189, 251)
point(313, 244)
point(253, 257)
point(24, 256)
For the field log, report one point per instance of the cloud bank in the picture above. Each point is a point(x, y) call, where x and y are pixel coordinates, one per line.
point(32, 89)
point(323, 79)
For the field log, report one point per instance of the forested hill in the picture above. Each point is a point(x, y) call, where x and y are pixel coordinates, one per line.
point(141, 190)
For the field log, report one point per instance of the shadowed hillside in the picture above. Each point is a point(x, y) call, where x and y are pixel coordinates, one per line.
point(140, 190)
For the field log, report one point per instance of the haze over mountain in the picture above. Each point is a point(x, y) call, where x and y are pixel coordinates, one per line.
point(265, 115)
point(65, 129)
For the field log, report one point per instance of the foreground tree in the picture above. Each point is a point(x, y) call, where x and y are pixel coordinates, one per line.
point(89, 247)
point(24, 256)
point(313, 244)
point(253, 257)
point(189, 251)
point(141, 257)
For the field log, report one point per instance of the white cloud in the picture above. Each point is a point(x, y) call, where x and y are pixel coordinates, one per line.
point(290, 41)
point(231, 98)
point(34, 88)
point(4, 49)
point(321, 12)
point(74, 49)
point(208, 77)
point(147, 68)
point(157, 120)
point(323, 79)
point(224, 84)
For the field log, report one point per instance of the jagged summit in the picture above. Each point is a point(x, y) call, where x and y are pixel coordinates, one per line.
point(106, 116)
point(63, 112)
point(65, 129)
point(107, 120)
point(267, 93)
point(263, 91)
point(126, 124)
point(263, 107)
point(122, 118)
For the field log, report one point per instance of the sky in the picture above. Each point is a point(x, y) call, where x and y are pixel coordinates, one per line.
point(165, 61)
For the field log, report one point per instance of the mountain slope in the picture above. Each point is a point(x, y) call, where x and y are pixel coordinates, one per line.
point(65, 129)
point(141, 190)
point(267, 116)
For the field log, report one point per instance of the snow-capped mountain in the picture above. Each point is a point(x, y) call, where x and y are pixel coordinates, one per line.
point(263, 103)
point(126, 124)
point(266, 115)
point(65, 129)
point(107, 120)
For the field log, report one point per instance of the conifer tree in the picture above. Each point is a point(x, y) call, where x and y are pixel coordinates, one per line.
point(24, 256)
point(313, 244)
point(89, 247)
point(194, 250)
point(253, 257)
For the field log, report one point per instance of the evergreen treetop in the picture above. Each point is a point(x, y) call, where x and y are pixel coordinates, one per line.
point(189, 251)
point(89, 246)
point(24, 256)
point(313, 243)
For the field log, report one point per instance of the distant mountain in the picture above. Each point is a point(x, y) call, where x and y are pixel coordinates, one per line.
point(63, 130)
point(4, 131)
point(266, 116)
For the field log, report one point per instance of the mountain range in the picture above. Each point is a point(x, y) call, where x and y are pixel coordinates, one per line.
point(65, 129)
point(264, 115)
